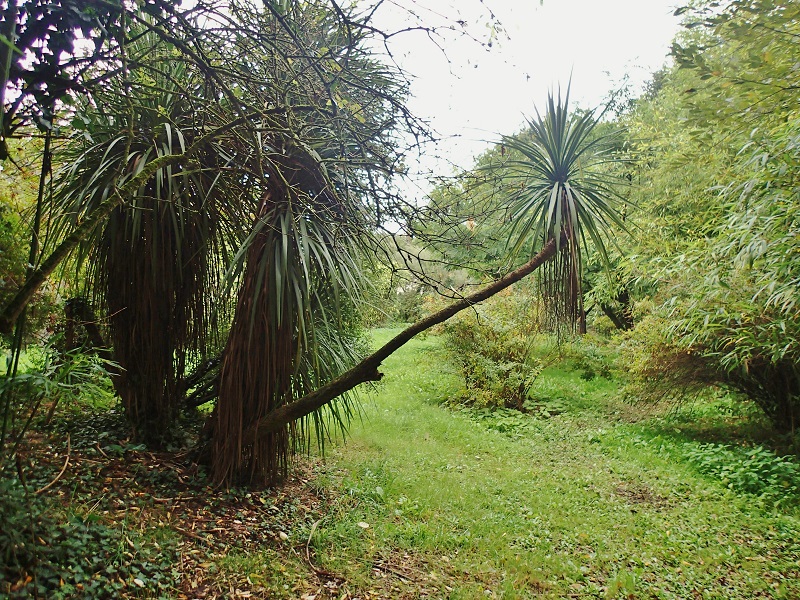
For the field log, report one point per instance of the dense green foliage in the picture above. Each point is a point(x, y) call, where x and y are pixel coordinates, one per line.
point(492, 347)
point(709, 272)
point(17, 198)
point(219, 199)
point(718, 201)
point(65, 556)
point(755, 470)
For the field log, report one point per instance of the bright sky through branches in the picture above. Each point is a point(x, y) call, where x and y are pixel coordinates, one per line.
point(475, 92)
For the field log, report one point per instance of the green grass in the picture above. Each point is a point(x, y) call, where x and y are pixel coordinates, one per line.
point(582, 496)
point(569, 502)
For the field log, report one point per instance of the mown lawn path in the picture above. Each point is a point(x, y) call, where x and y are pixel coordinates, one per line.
point(427, 501)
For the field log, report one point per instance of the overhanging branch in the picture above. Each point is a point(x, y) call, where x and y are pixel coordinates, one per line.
point(367, 369)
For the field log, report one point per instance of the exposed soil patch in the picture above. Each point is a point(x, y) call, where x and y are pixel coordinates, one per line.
point(637, 493)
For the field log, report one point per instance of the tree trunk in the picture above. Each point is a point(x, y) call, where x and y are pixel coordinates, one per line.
point(78, 314)
point(624, 321)
point(255, 377)
point(581, 320)
point(615, 319)
point(154, 280)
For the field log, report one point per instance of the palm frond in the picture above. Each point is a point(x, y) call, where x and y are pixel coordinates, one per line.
point(286, 339)
point(561, 190)
point(150, 264)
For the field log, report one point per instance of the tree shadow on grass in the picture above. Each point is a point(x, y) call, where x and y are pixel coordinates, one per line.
point(720, 421)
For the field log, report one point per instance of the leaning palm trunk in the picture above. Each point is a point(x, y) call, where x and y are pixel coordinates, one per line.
point(256, 374)
point(367, 369)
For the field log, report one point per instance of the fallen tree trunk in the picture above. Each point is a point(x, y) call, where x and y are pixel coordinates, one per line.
point(367, 369)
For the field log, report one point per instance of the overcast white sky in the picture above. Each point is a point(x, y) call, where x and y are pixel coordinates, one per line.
point(475, 94)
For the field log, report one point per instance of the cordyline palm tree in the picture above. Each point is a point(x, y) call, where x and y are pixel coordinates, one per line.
point(289, 335)
point(562, 192)
point(152, 261)
point(298, 272)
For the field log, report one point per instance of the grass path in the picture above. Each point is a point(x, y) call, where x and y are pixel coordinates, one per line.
point(430, 502)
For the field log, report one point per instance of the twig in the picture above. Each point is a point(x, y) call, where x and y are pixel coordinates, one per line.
point(378, 566)
point(320, 572)
point(64, 468)
point(308, 543)
point(193, 535)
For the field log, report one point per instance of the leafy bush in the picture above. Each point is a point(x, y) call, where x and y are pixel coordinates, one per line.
point(659, 369)
point(590, 358)
point(740, 325)
point(491, 345)
point(755, 470)
point(51, 377)
point(17, 196)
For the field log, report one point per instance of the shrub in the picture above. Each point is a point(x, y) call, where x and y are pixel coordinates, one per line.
point(730, 313)
point(658, 369)
point(590, 358)
point(491, 345)
point(744, 314)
